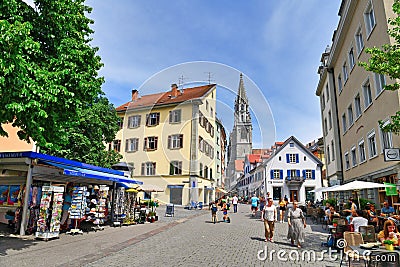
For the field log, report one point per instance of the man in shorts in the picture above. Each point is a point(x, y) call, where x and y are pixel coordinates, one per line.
point(254, 204)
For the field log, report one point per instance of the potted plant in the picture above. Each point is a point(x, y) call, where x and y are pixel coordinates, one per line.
point(389, 244)
point(334, 222)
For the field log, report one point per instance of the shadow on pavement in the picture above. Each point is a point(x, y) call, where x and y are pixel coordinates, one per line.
point(15, 244)
point(257, 238)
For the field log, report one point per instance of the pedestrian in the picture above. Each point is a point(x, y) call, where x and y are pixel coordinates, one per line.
point(296, 223)
point(225, 213)
point(262, 203)
point(214, 210)
point(254, 204)
point(269, 216)
point(286, 199)
point(235, 203)
point(282, 209)
point(65, 221)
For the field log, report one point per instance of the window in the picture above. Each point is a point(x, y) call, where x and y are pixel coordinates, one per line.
point(345, 71)
point(359, 41)
point(175, 167)
point(372, 145)
point(292, 158)
point(207, 105)
point(350, 115)
point(218, 171)
point(351, 58)
point(211, 174)
point(120, 123)
point(218, 155)
point(333, 150)
point(327, 92)
point(361, 151)
point(276, 174)
point(357, 105)
point(211, 112)
point(291, 144)
point(325, 127)
point(206, 172)
point(369, 18)
point(148, 168)
point(175, 141)
point(346, 159)
point(344, 123)
point(330, 119)
point(328, 154)
point(323, 101)
point(218, 140)
point(380, 82)
point(175, 116)
point(134, 121)
point(150, 143)
point(201, 170)
point(132, 145)
point(153, 119)
point(115, 145)
point(308, 174)
point(353, 156)
point(386, 138)
point(340, 85)
point(367, 94)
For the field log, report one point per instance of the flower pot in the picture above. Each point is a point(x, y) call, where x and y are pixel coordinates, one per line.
point(389, 247)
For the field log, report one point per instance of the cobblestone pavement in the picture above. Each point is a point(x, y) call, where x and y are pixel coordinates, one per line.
point(198, 242)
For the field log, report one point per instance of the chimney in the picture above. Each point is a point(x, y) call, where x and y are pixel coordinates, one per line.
point(174, 90)
point(135, 94)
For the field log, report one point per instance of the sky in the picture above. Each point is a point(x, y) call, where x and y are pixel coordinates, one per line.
point(276, 44)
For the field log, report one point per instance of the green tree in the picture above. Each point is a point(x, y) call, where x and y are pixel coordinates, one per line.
point(49, 78)
point(386, 60)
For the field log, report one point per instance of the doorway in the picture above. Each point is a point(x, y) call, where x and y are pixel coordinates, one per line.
point(294, 195)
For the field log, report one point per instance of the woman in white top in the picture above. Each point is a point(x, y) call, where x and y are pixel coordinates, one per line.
point(269, 216)
point(296, 223)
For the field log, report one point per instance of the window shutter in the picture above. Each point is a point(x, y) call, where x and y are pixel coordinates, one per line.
point(158, 118)
point(181, 140)
point(313, 174)
point(170, 116)
point(180, 167)
point(127, 145)
point(154, 169)
point(297, 158)
point(145, 144)
point(139, 119)
point(304, 173)
point(288, 173)
point(169, 142)
point(155, 142)
point(287, 158)
point(171, 168)
point(298, 173)
point(272, 174)
point(281, 174)
point(179, 115)
point(143, 168)
point(147, 119)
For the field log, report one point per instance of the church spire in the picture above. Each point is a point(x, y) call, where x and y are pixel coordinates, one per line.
point(241, 91)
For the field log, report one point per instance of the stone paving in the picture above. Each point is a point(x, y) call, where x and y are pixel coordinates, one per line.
point(188, 239)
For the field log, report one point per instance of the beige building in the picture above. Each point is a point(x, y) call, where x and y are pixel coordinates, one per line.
point(169, 139)
point(353, 100)
point(12, 143)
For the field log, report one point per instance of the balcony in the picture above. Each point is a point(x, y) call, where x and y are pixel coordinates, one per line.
point(294, 180)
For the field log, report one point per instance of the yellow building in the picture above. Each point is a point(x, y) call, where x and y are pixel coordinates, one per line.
point(168, 139)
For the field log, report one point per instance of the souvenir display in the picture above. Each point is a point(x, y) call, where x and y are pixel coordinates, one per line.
point(78, 207)
point(48, 223)
point(119, 206)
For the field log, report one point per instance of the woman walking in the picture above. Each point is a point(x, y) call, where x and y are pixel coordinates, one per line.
point(268, 216)
point(297, 223)
point(282, 209)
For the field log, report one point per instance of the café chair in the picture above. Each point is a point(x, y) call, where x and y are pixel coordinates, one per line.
point(352, 239)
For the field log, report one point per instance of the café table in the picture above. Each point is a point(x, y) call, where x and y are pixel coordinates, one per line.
point(373, 255)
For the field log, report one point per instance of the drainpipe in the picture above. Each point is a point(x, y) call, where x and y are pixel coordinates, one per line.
point(26, 199)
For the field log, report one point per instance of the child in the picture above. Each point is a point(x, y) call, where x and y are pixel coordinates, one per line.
point(214, 212)
point(225, 212)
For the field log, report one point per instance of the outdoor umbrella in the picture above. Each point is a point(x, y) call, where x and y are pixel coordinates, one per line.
point(358, 185)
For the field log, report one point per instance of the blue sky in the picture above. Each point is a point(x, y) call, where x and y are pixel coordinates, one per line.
point(276, 44)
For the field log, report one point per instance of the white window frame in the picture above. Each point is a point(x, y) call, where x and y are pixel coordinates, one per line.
point(359, 40)
point(175, 116)
point(367, 92)
point(176, 167)
point(357, 105)
point(372, 149)
point(346, 160)
point(134, 121)
point(361, 151)
point(386, 138)
point(175, 141)
point(330, 119)
point(354, 156)
point(132, 145)
point(333, 150)
point(369, 19)
point(352, 61)
point(149, 168)
point(345, 72)
point(340, 83)
point(350, 114)
point(380, 83)
point(344, 122)
point(308, 174)
point(276, 174)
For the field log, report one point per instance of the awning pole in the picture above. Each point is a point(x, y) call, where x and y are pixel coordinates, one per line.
point(26, 199)
point(113, 201)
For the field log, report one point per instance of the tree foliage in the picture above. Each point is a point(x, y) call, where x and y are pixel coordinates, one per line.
point(386, 60)
point(49, 78)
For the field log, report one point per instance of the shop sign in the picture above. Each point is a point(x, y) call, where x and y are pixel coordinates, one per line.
point(391, 154)
point(11, 155)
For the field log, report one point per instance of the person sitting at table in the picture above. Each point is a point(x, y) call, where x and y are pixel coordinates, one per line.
point(358, 220)
point(389, 232)
point(333, 213)
point(352, 210)
point(387, 210)
point(372, 215)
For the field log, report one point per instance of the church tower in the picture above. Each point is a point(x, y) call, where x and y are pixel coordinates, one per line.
point(240, 139)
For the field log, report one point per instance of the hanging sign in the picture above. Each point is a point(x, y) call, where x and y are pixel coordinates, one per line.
point(391, 154)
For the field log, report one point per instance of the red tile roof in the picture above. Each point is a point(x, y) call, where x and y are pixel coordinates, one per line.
point(254, 158)
point(165, 98)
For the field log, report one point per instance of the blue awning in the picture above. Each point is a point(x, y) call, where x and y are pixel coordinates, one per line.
point(129, 185)
point(91, 174)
